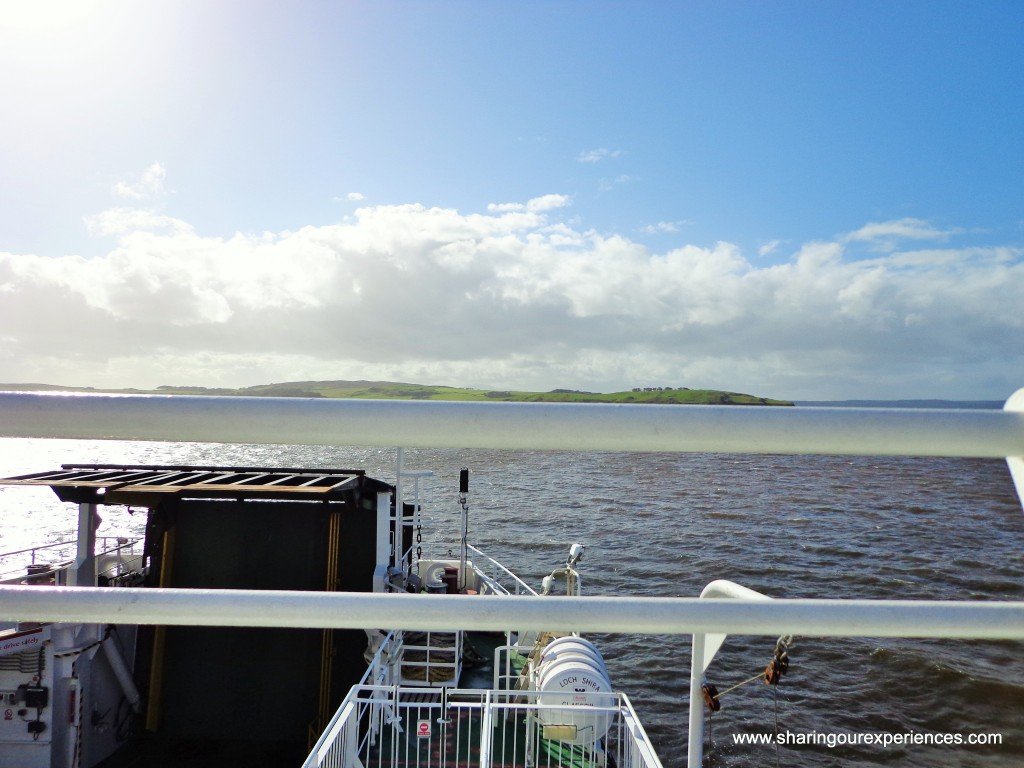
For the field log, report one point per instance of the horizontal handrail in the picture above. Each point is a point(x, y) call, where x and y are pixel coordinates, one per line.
point(15, 573)
point(655, 615)
point(567, 426)
point(122, 542)
point(52, 545)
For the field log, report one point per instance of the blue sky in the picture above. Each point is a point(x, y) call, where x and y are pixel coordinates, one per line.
point(796, 199)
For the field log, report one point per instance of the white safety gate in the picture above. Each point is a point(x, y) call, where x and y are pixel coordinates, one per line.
point(403, 727)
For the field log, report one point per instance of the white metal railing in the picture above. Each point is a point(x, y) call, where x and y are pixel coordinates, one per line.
point(586, 427)
point(115, 556)
point(705, 646)
point(339, 744)
point(491, 729)
point(652, 615)
point(515, 426)
point(506, 677)
point(432, 659)
point(400, 523)
point(382, 673)
point(521, 587)
point(382, 663)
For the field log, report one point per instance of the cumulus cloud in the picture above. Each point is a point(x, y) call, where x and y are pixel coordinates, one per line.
point(505, 207)
point(355, 197)
point(149, 185)
point(511, 297)
point(548, 202)
point(769, 247)
point(592, 156)
point(534, 205)
point(661, 227)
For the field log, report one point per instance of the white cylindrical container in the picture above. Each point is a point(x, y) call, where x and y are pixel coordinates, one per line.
point(573, 689)
point(562, 647)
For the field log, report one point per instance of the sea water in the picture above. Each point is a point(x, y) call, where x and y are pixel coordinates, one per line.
point(666, 525)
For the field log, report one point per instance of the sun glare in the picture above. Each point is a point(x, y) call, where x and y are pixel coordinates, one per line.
point(40, 15)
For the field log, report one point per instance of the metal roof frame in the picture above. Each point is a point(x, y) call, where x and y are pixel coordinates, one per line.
point(148, 485)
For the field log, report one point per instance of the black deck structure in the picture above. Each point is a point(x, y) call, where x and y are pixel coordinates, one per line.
point(234, 692)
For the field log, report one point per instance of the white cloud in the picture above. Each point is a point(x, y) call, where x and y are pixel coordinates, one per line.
point(355, 197)
point(769, 247)
point(120, 221)
point(547, 203)
point(149, 185)
point(535, 205)
point(597, 155)
point(661, 227)
point(889, 232)
point(513, 297)
point(505, 207)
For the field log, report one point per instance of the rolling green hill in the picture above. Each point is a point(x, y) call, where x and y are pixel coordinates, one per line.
point(390, 390)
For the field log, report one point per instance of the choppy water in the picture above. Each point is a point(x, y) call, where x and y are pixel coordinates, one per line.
point(665, 525)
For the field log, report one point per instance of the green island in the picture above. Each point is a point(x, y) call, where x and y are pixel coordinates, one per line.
point(390, 390)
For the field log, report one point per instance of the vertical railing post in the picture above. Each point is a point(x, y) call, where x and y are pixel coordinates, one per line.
point(1016, 463)
point(396, 547)
point(83, 572)
point(695, 744)
point(383, 544)
point(486, 731)
point(350, 742)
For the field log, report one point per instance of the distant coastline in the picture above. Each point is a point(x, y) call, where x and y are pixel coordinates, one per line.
point(391, 390)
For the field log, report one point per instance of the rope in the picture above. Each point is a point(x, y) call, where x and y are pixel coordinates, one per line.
point(772, 675)
point(781, 663)
point(758, 676)
point(717, 697)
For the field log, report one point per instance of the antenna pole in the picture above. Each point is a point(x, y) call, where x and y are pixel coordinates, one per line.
point(463, 553)
point(397, 539)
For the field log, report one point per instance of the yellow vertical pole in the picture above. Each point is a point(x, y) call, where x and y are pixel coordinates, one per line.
point(327, 635)
point(156, 667)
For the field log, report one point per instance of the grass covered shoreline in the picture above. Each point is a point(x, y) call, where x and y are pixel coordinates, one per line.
point(389, 390)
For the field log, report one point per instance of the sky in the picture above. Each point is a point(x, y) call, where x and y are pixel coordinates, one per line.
point(802, 200)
